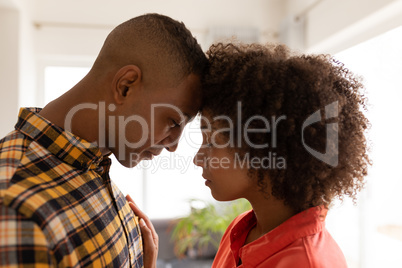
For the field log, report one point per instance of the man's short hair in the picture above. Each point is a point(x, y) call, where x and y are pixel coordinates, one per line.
point(154, 41)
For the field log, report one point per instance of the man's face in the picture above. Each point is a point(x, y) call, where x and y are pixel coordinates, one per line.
point(154, 119)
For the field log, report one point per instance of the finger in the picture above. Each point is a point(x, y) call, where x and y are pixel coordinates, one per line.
point(129, 199)
point(150, 248)
point(144, 217)
point(147, 236)
point(136, 209)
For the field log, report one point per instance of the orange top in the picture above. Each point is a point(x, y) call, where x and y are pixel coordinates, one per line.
point(301, 241)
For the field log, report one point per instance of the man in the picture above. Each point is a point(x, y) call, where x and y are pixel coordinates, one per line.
point(58, 206)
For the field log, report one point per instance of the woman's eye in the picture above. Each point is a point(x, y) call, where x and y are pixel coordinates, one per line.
point(207, 144)
point(206, 140)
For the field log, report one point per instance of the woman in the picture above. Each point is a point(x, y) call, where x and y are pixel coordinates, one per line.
point(287, 133)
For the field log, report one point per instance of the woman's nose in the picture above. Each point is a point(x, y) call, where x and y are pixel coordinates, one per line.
point(198, 159)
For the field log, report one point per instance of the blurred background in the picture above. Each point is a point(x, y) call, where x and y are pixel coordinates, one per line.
point(46, 46)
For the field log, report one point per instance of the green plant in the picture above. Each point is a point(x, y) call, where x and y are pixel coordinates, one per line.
point(205, 224)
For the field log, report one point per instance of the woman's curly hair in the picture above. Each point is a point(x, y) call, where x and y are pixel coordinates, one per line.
point(271, 81)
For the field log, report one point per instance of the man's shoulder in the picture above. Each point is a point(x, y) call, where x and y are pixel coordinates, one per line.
point(12, 148)
point(21, 189)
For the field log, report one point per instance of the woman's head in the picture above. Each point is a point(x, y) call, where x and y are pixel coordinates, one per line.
point(296, 120)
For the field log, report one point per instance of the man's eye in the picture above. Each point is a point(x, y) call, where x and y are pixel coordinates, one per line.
point(174, 124)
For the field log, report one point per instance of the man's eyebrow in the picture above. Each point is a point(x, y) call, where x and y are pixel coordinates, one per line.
point(188, 117)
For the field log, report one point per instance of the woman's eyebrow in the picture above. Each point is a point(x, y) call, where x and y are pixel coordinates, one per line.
point(206, 127)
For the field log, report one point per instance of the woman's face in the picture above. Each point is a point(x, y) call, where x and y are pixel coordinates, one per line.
point(224, 171)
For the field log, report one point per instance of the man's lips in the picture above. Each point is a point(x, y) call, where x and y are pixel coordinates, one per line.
point(154, 153)
point(150, 154)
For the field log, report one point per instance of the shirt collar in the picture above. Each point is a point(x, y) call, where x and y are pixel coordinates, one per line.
point(66, 146)
point(305, 223)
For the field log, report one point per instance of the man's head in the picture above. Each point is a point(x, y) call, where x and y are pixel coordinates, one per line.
point(149, 70)
point(161, 47)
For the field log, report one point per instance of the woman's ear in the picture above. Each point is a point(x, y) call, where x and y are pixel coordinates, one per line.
point(125, 82)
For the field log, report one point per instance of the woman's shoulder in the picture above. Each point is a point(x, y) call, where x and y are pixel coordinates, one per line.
point(314, 251)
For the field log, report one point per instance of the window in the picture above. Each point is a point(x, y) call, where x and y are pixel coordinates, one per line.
point(370, 234)
point(59, 79)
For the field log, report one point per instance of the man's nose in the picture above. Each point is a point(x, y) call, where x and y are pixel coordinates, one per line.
point(171, 142)
point(172, 147)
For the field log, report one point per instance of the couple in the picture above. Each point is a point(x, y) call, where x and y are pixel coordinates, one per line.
point(59, 207)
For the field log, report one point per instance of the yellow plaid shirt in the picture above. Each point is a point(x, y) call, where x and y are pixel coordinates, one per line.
point(58, 206)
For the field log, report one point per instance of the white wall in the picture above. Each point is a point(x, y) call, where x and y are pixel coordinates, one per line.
point(8, 4)
point(196, 14)
point(331, 26)
point(9, 68)
point(17, 65)
point(28, 96)
point(68, 42)
point(71, 30)
point(334, 25)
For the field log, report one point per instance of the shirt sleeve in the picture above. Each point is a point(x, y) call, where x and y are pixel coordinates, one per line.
point(22, 242)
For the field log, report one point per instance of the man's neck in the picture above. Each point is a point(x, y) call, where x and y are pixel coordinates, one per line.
point(76, 112)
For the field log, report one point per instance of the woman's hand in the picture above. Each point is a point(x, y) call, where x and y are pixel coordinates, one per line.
point(150, 238)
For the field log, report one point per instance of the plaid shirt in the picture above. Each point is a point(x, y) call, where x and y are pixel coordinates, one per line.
point(58, 206)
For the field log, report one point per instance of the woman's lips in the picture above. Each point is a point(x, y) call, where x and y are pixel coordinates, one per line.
point(207, 182)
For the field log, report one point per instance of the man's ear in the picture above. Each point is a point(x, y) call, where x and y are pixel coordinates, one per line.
point(125, 81)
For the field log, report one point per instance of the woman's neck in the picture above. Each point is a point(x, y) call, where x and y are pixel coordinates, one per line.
point(270, 213)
